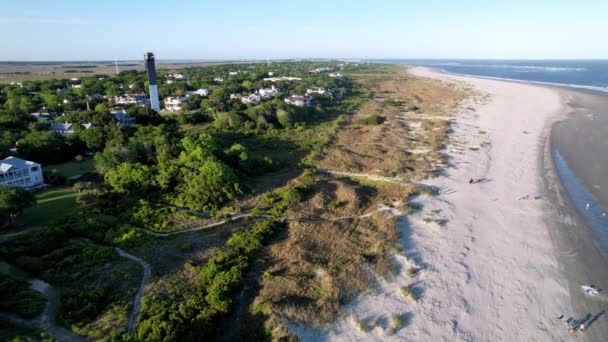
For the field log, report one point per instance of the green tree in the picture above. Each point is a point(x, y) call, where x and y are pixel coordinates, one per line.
point(13, 201)
point(131, 178)
point(44, 147)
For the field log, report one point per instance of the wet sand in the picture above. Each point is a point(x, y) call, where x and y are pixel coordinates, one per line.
point(575, 159)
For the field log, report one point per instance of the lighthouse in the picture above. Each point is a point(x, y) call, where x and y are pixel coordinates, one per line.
point(149, 64)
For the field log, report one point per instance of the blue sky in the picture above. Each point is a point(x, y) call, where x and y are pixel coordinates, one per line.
point(188, 29)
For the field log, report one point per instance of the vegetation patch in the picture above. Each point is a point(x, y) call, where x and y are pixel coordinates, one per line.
point(372, 120)
point(17, 297)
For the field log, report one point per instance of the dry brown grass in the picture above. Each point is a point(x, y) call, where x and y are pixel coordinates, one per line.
point(327, 257)
point(408, 143)
point(331, 250)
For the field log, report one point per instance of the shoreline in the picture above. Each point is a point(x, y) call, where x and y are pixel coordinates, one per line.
point(506, 264)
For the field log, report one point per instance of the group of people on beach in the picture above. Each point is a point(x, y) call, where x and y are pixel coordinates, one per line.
point(579, 325)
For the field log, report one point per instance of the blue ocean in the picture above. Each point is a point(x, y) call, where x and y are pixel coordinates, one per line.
point(588, 74)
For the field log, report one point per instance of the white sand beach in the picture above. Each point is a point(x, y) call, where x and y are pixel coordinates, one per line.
point(491, 272)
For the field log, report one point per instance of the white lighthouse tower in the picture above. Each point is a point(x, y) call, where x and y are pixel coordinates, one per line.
point(149, 63)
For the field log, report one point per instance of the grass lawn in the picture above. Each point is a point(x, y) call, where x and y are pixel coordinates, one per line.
point(72, 168)
point(51, 205)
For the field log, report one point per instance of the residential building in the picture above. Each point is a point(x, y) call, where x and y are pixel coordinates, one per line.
point(218, 79)
point(282, 78)
point(62, 128)
point(174, 103)
point(138, 99)
point(43, 114)
point(76, 86)
point(253, 99)
point(299, 100)
point(235, 96)
point(268, 92)
point(170, 81)
point(20, 173)
point(121, 116)
point(233, 73)
point(203, 92)
point(335, 75)
point(179, 77)
point(318, 90)
point(88, 125)
point(321, 70)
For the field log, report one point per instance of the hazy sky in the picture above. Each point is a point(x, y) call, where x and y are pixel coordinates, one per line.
point(189, 29)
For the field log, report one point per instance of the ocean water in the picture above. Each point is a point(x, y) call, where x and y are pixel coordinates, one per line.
point(588, 74)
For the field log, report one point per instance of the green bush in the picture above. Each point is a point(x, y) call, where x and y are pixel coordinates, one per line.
point(186, 247)
point(372, 120)
point(17, 297)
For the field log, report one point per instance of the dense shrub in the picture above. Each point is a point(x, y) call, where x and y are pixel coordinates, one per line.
point(372, 120)
point(17, 297)
point(185, 313)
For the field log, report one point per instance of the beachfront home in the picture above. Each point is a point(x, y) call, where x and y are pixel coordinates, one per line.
point(20, 173)
point(174, 103)
point(203, 92)
point(62, 128)
point(268, 92)
point(299, 100)
point(138, 99)
point(253, 99)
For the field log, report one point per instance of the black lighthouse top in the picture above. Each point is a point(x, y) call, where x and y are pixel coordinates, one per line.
point(149, 64)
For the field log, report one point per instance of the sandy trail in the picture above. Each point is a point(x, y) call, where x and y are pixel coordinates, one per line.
point(491, 273)
point(132, 327)
point(46, 319)
point(233, 217)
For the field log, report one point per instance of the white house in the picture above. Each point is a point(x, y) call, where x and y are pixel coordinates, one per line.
point(233, 73)
point(318, 90)
point(174, 103)
point(335, 75)
point(170, 81)
point(282, 78)
point(218, 79)
point(20, 173)
point(76, 86)
point(321, 70)
point(88, 125)
point(61, 128)
point(179, 76)
point(268, 92)
point(253, 99)
point(203, 92)
point(138, 99)
point(299, 100)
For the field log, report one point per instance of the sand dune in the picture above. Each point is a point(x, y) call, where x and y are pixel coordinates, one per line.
point(490, 273)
